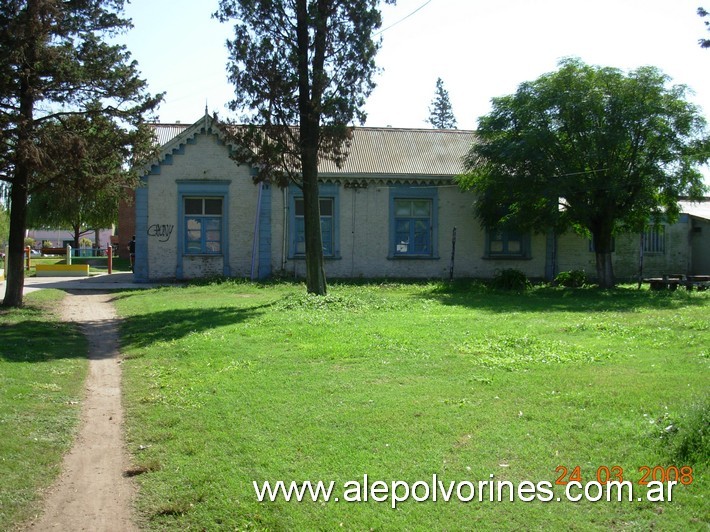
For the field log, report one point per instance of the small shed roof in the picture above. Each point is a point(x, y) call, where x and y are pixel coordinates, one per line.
point(698, 209)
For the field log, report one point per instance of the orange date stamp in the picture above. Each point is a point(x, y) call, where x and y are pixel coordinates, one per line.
point(605, 474)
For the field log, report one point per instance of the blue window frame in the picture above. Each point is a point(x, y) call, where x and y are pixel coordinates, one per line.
point(412, 226)
point(413, 222)
point(201, 219)
point(507, 243)
point(326, 226)
point(328, 196)
point(203, 225)
point(593, 247)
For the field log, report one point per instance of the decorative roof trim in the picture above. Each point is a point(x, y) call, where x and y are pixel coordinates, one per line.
point(385, 155)
point(379, 179)
point(206, 125)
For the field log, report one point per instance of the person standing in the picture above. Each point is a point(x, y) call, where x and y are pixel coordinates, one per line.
point(132, 251)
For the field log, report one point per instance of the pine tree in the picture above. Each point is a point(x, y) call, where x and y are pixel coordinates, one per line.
point(441, 116)
point(56, 64)
point(301, 63)
point(704, 43)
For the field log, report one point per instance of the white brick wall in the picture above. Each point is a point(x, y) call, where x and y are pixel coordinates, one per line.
point(206, 159)
point(364, 240)
point(364, 220)
point(573, 254)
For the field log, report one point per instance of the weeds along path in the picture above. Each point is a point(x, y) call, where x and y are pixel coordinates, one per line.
point(91, 492)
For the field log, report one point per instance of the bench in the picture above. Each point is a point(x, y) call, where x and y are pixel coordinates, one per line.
point(54, 251)
point(62, 270)
point(672, 282)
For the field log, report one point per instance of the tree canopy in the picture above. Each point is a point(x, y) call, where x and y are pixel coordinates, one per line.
point(588, 148)
point(441, 114)
point(83, 191)
point(56, 64)
point(302, 70)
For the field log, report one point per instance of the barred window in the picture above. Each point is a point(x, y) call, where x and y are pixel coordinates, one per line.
point(654, 240)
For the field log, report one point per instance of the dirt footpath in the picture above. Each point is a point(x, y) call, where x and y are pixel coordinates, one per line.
point(92, 494)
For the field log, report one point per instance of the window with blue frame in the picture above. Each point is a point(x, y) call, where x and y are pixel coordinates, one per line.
point(327, 209)
point(203, 225)
point(506, 243)
point(412, 226)
point(593, 247)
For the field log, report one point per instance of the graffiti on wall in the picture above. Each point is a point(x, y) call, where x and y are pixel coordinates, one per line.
point(161, 231)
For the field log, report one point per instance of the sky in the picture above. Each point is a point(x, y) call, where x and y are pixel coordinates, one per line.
point(480, 48)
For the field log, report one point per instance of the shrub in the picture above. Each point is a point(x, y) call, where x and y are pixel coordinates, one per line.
point(685, 437)
point(511, 279)
point(572, 278)
point(691, 444)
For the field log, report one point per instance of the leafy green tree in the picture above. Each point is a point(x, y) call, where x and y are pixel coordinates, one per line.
point(587, 148)
point(83, 191)
point(57, 64)
point(441, 114)
point(704, 43)
point(301, 71)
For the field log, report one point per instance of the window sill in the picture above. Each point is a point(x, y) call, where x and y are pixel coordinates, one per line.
point(220, 255)
point(413, 257)
point(325, 257)
point(506, 257)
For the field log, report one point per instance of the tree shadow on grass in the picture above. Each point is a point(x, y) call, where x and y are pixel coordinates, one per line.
point(33, 340)
point(556, 299)
point(173, 324)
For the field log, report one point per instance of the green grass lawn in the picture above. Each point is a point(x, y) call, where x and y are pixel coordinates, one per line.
point(42, 370)
point(231, 383)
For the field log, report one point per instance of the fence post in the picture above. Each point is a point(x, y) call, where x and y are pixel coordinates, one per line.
point(68, 255)
point(27, 260)
point(109, 254)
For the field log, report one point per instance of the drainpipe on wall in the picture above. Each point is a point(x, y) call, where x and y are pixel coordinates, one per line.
point(284, 231)
point(640, 274)
point(255, 240)
point(352, 233)
point(689, 262)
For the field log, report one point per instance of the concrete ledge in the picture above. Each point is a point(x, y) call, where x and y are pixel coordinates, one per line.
point(62, 270)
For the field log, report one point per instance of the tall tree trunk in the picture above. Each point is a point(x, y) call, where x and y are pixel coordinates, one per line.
point(18, 214)
point(605, 270)
point(309, 100)
point(602, 248)
point(77, 236)
point(315, 270)
point(23, 163)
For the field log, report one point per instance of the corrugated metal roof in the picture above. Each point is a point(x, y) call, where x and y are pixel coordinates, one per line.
point(167, 132)
point(383, 151)
point(403, 151)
